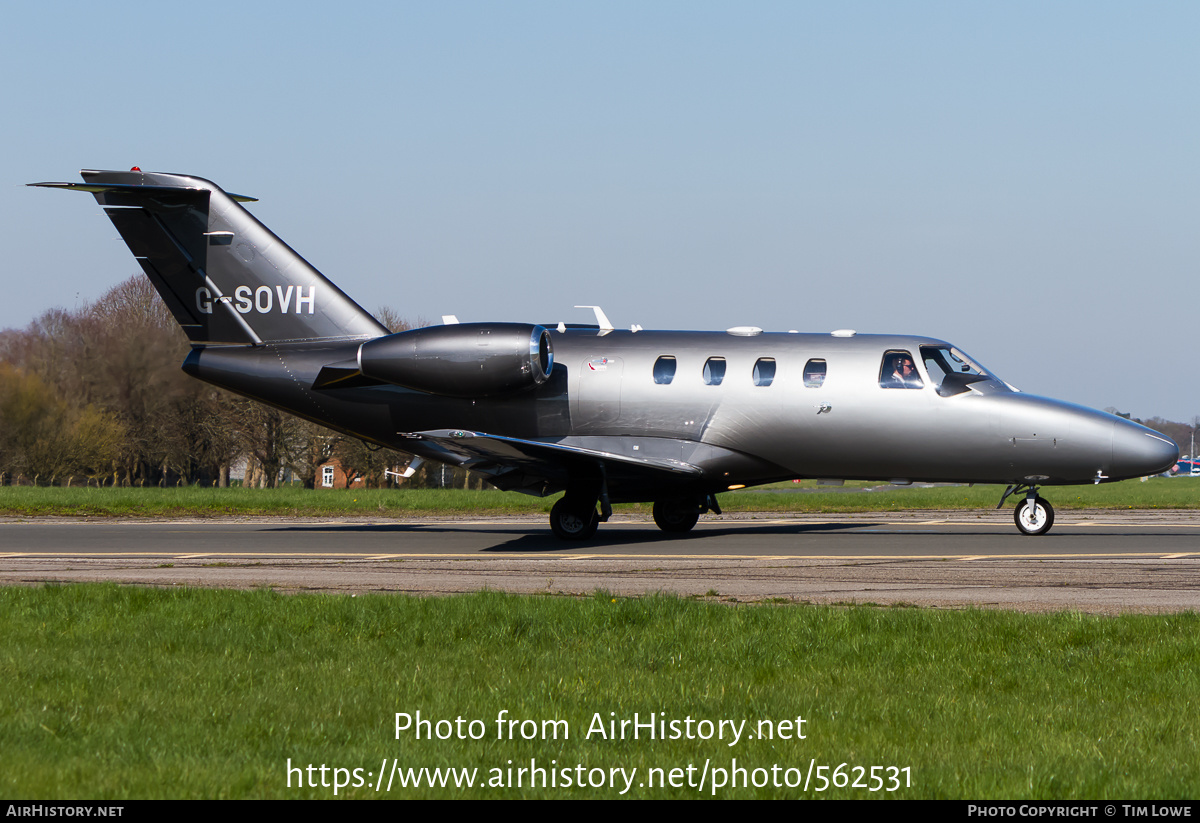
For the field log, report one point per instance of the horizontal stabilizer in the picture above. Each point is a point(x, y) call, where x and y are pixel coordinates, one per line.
point(118, 187)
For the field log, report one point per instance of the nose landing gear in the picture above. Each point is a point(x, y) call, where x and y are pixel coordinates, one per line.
point(1034, 515)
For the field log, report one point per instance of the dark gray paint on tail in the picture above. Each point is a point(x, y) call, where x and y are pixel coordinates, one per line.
point(225, 276)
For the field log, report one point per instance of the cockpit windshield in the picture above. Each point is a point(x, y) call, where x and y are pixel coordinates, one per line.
point(951, 371)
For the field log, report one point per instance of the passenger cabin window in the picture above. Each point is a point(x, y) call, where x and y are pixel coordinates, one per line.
point(714, 371)
point(764, 371)
point(899, 371)
point(814, 373)
point(664, 370)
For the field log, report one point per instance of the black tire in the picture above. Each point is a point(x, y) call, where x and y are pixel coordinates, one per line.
point(1037, 521)
point(676, 516)
point(569, 521)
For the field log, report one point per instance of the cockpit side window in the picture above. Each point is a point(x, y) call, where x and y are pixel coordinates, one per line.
point(899, 371)
point(951, 370)
point(814, 373)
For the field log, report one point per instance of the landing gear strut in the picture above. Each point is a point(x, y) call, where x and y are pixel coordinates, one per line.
point(1034, 515)
point(574, 516)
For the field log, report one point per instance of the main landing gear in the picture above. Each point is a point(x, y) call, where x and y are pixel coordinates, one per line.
point(574, 517)
point(1034, 515)
point(677, 515)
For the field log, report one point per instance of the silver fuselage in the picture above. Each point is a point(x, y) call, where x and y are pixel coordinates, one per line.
point(849, 427)
point(603, 396)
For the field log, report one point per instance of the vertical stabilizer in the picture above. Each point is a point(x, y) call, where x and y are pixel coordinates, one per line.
point(225, 276)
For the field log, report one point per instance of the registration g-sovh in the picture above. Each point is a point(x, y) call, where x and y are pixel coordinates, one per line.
point(261, 300)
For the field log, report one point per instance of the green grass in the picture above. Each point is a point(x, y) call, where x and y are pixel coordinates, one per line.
point(129, 692)
point(191, 501)
point(1157, 493)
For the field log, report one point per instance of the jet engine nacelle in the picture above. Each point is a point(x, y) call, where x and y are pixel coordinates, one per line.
point(461, 360)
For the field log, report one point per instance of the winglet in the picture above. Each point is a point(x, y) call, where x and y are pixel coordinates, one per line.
point(601, 318)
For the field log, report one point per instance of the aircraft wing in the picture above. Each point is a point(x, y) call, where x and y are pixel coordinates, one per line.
point(539, 467)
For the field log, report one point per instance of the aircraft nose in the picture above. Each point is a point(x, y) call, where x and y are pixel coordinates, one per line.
point(1138, 451)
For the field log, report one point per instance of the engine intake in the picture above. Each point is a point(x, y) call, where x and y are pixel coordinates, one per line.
point(461, 360)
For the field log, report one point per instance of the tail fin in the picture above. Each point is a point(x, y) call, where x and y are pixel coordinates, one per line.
point(225, 276)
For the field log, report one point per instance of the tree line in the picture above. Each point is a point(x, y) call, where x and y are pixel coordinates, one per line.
point(96, 396)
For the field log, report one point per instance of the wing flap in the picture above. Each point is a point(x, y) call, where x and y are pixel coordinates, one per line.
point(514, 450)
point(542, 467)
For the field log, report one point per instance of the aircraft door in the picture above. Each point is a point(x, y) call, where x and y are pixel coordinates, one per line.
point(897, 416)
point(599, 406)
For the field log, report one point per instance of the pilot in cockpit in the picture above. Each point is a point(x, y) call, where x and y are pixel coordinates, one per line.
point(901, 373)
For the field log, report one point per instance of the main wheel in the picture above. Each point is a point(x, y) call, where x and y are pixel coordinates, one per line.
point(1034, 516)
point(570, 521)
point(677, 516)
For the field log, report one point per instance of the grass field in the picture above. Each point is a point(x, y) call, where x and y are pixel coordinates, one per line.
point(132, 693)
point(1156, 493)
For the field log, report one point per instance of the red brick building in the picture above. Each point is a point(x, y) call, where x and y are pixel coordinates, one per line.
point(331, 475)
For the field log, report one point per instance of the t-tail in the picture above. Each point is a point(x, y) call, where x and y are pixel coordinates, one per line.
point(225, 276)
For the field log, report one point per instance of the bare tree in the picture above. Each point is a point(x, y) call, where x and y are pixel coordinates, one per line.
point(392, 320)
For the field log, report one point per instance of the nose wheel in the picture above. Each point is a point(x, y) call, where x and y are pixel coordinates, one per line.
point(1034, 515)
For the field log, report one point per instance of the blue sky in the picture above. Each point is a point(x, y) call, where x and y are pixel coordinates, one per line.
point(1017, 178)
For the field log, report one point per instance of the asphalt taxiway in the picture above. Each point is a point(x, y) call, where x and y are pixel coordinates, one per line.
point(1092, 561)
